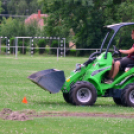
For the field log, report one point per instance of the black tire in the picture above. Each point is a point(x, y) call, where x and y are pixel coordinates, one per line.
point(83, 93)
point(117, 101)
point(66, 97)
point(127, 95)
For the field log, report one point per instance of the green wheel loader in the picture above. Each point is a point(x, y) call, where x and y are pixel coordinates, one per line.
point(86, 82)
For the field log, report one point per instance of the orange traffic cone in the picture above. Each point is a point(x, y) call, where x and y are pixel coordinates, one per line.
point(24, 100)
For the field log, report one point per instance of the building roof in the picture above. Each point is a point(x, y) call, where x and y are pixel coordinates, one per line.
point(38, 17)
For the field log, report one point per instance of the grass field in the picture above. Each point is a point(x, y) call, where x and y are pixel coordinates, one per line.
point(14, 85)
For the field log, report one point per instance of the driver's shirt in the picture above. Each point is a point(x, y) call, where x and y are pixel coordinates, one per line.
point(131, 56)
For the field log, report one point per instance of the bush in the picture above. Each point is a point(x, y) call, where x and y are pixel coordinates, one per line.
point(41, 43)
point(12, 45)
point(72, 52)
point(54, 44)
point(21, 48)
point(3, 49)
point(47, 49)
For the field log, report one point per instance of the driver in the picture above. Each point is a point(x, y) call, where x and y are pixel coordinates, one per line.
point(122, 63)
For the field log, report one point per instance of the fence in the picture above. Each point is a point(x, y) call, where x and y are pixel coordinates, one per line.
point(55, 51)
point(59, 51)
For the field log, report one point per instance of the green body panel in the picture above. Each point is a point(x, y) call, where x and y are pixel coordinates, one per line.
point(95, 72)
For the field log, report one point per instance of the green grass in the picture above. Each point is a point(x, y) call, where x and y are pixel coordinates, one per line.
point(14, 85)
point(69, 125)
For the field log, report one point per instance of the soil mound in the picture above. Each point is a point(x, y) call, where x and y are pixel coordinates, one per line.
point(6, 111)
point(8, 114)
point(16, 116)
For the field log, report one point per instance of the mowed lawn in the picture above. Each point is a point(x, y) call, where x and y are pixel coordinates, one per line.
point(14, 86)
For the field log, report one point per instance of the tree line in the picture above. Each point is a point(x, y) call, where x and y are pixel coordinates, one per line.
point(80, 21)
point(12, 27)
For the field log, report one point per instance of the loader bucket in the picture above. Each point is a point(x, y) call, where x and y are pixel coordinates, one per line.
point(51, 80)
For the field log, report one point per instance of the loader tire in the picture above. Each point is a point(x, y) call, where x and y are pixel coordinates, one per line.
point(127, 95)
point(83, 93)
point(66, 97)
point(117, 101)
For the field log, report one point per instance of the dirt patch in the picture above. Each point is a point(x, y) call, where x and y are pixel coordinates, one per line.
point(76, 114)
point(8, 114)
point(16, 116)
point(24, 115)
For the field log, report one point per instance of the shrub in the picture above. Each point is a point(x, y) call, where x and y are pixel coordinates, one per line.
point(12, 45)
point(47, 49)
point(3, 49)
point(54, 44)
point(72, 52)
point(22, 48)
point(41, 43)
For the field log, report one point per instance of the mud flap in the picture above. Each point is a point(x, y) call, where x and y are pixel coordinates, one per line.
point(51, 80)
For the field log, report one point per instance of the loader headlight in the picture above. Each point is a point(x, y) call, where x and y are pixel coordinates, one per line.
point(68, 80)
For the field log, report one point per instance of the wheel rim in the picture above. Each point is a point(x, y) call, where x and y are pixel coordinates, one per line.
point(131, 96)
point(84, 95)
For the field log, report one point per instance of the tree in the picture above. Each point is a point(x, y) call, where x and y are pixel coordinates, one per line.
point(0, 7)
point(77, 20)
point(80, 16)
point(32, 29)
point(15, 27)
point(9, 27)
point(34, 6)
point(23, 7)
point(85, 18)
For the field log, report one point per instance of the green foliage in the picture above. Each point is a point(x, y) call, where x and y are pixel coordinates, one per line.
point(78, 20)
point(3, 49)
point(22, 7)
point(117, 1)
point(41, 44)
point(72, 52)
point(54, 44)
point(14, 28)
point(47, 49)
point(125, 11)
point(9, 27)
point(83, 21)
point(22, 47)
point(12, 44)
point(31, 29)
point(85, 18)
point(0, 7)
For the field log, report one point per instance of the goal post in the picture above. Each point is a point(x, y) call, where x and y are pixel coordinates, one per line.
point(61, 48)
point(7, 44)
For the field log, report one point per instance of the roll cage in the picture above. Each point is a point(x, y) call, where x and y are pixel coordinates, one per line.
point(115, 28)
